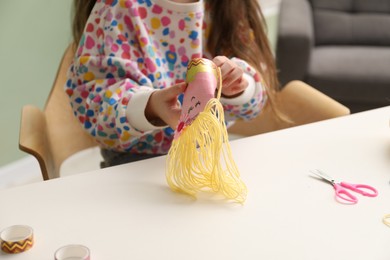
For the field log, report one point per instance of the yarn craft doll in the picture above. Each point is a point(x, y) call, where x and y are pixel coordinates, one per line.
point(200, 158)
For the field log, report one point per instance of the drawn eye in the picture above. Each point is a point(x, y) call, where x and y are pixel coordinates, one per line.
point(197, 104)
point(192, 98)
point(190, 109)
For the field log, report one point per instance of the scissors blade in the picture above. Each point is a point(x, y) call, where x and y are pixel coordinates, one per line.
point(323, 175)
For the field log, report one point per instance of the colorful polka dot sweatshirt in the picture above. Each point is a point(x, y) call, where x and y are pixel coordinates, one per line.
point(131, 48)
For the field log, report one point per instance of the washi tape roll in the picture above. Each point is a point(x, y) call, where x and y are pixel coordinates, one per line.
point(386, 220)
point(76, 252)
point(16, 239)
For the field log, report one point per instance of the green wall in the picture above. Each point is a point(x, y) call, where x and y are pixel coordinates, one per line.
point(33, 36)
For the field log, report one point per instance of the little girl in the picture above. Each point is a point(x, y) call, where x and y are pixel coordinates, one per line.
point(127, 77)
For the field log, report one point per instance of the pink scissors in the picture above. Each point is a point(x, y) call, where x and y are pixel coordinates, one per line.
point(341, 191)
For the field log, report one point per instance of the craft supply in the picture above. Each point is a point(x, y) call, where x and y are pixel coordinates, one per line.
point(341, 192)
point(200, 158)
point(386, 220)
point(16, 239)
point(72, 252)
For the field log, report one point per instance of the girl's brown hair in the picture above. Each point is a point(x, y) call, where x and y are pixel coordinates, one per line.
point(238, 29)
point(81, 11)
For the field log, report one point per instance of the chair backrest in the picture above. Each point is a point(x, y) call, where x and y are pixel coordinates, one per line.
point(351, 22)
point(54, 134)
point(300, 104)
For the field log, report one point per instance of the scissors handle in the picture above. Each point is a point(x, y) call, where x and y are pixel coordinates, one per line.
point(343, 194)
point(363, 189)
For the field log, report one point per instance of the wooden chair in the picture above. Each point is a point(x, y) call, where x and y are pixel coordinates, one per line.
point(54, 134)
point(300, 103)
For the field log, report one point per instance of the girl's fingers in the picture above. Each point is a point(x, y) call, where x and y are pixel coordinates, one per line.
point(173, 120)
point(233, 81)
point(226, 65)
point(170, 113)
point(174, 91)
point(235, 88)
point(234, 77)
point(180, 88)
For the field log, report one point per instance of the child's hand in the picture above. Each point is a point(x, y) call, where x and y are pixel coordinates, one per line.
point(163, 107)
point(233, 82)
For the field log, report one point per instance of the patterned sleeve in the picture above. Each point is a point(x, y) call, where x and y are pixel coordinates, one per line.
point(103, 79)
point(251, 102)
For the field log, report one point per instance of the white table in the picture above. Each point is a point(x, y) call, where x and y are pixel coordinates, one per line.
point(128, 212)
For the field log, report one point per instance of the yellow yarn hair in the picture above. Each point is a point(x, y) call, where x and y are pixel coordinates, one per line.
point(200, 159)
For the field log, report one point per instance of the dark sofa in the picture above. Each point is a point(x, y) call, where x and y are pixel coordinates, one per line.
point(340, 47)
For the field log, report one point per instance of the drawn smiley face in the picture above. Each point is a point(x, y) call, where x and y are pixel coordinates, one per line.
point(201, 86)
point(193, 110)
point(197, 94)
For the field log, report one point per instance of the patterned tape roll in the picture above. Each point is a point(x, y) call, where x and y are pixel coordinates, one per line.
point(386, 220)
point(79, 252)
point(16, 239)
